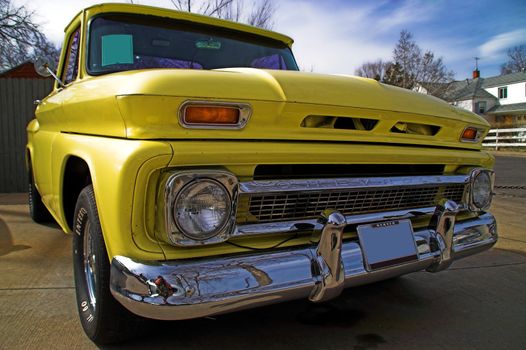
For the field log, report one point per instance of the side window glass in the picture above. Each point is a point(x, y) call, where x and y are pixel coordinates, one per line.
point(72, 61)
point(269, 62)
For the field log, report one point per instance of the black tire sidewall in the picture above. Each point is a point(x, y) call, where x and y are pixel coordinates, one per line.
point(86, 211)
point(109, 322)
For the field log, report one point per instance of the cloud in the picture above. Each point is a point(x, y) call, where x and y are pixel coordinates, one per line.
point(495, 47)
point(410, 11)
point(338, 36)
point(331, 39)
point(54, 16)
point(457, 53)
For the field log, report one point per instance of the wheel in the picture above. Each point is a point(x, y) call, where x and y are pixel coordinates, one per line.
point(37, 209)
point(103, 319)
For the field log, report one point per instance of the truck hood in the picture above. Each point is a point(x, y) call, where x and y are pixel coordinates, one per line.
point(284, 86)
point(281, 100)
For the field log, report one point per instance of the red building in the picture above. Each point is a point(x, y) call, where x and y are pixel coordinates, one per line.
point(25, 70)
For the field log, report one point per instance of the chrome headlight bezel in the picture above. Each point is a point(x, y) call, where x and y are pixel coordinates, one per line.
point(475, 173)
point(174, 186)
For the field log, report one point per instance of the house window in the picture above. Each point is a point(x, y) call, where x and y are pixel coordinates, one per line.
point(480, 107)
point(503, 92)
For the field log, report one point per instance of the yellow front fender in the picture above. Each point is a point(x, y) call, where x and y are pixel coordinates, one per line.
point(113, 164)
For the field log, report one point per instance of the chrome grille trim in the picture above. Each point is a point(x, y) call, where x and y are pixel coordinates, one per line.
point(315, 225)
point(279, 186)
point(275, 201)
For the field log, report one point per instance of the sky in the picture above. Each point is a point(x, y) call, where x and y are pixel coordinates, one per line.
point(337, 36)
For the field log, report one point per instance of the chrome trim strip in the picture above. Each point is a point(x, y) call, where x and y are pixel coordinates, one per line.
point(176, 290)
point(279, 186)
point(314, 224)
point(245, 112)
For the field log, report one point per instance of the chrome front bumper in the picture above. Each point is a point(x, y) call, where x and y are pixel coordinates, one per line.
point(176, 290)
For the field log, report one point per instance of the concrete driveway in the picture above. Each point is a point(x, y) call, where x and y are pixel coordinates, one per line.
point(480, 303)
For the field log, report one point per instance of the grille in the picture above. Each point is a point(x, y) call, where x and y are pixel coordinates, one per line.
point(307, 205)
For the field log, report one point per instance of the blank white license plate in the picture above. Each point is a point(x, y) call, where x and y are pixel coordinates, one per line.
point(387, 243)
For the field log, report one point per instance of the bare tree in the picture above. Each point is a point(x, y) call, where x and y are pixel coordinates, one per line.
point(516, 60)
point(410, 68)
point(20, 37)
point(231, 11)
point(259, 14)
point(407, 54)
point(394, 74)
point(207, 8)
point(419, 69)
point(374, 70)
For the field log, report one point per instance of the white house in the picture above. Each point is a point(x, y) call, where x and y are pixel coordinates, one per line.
point(500, 99)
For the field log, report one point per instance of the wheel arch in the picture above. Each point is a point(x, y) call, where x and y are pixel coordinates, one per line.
point(28, 158)
point(75, 176)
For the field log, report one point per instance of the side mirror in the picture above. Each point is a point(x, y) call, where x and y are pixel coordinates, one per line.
point(42, 68)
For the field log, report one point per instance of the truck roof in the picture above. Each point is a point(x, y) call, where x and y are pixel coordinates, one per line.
point(184, 16)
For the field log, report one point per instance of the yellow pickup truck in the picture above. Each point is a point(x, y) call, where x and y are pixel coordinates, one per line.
point(200, 172)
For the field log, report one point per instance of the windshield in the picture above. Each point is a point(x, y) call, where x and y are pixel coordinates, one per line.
point(123, 42)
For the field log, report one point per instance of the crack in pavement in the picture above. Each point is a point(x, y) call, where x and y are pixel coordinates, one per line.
point(487, 266)
point(34, 288)
point(512, 239)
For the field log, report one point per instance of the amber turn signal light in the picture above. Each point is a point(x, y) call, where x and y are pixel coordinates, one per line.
point(214, 114)
point(211, 115)
point(470, 134)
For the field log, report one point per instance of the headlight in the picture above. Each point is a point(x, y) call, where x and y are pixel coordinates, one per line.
point(199, 206)
point(202, 209)
point(481, 189)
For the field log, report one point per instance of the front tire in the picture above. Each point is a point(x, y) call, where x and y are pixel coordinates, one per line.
point(103, 319)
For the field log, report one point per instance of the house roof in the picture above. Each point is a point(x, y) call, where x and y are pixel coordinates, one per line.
point(514, 108)
point(472, 88)
point(504, 79)
point(467, 90)
point(481, 93)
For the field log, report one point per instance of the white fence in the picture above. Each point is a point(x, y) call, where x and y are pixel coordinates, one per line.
point(498, 138)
